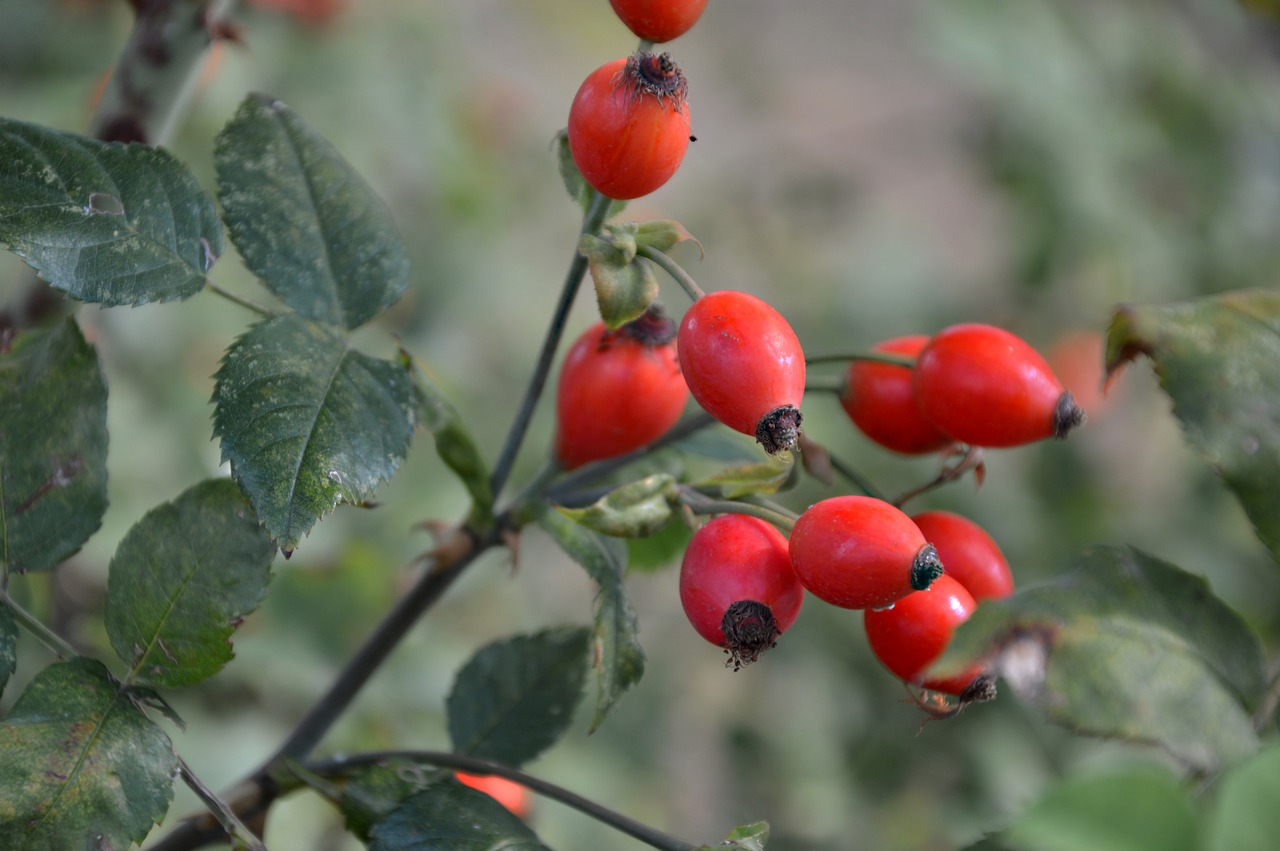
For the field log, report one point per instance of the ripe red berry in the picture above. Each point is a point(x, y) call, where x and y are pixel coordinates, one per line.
point(619, 390)
point(972, 557)
point(879, 399)
point(744, 366)
point(860, 553)
point(509, 793)
point(629, 125)
point(659, 20)
point(988, 387)
point(737, 587)
point(911, 635)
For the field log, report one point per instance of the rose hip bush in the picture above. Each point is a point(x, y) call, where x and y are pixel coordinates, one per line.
point(706, 468)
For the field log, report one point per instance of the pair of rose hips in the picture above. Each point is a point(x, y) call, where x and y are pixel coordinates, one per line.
point(621, 390)
point(629, 122)
point(742, 582)
point(971, 383)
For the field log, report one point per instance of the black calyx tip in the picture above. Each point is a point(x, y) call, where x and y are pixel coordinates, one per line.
point(749, 629)
point(779, 429)
point(1067, 415)
point(981, 690)
point(925, 567)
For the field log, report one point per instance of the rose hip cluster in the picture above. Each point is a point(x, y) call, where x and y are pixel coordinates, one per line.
point(742, 581)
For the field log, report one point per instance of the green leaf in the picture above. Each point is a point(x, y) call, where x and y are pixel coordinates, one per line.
point(761, 479)
point(8, 646)
point(662, 549)
point(634, 510)
point(625, 284)
point(663, 235)
point(372, 792)
point(1134, 808)
point(1219, 360)
point(305, 222)
point(80, 765)
point(454, 443)
point(104, 222)
point(749, 837)
point(181, 581)
point(516, 697)
point(1244, 812)
point(617, 655)
point(574, 183)
point(451, 817)
point(53, 447)
point(1126, 646)
point(307, 422)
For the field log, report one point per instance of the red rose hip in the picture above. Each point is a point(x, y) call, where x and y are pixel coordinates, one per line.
point(881, 402)
point(972, 557)
point(619, 390)
point(629, 125)
point(985, 386)
point(659, 20)
point(744, 366)
point(857, 552)
point(911, 635)
point(737, 587)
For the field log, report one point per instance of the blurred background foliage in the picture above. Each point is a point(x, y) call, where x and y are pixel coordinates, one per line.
point(872, 167)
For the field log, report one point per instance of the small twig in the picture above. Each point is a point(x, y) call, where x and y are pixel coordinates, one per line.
point(869, 357)
point(591, 222)
point(674, 269)
point(824, 385)
point(860, 481)
point(471, 765)
point(235, 828)
point(701, 504)
point(970, 460)
point(50, 639)
point(235, 299)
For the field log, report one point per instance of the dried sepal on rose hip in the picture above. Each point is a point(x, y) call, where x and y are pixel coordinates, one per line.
point(744, 366)
point(737, 587)
point(618, 390)
point(659, 20)
point(986, 386)
point(858, 552)
point(629, 125)
point(973, 558)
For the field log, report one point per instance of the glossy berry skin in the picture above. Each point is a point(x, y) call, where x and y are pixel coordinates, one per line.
point(618, 391)
point(910, 636)
point(629, 125)
point(659, 20)
point(857, 552)
point(510, 794)
point(744, 366)
point(881, 402)
point(732, 562)
point(972, 557)
point(988, 387)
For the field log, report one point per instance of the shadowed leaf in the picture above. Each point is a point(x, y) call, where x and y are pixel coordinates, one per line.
point(305, 222)
point(1244, 813)
point(53, 447)
point(1126, 646)
point(79, 761)
point(182, 579)
point(104, 222)
point(516, 697)
point(307, 422)
point(448, 816)
point(8, 646)
point(1219, 360)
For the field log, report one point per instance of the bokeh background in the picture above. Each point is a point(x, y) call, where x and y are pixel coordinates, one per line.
point(873, 168)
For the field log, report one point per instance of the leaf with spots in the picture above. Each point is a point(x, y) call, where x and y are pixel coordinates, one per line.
point(517, 696)
point(305, 222)
point(308, 423)
point(53, 447)
point(1126, 646)
point(104, 222)
point(448, 816)
point(1218, 358)
point(181, 581)
point(80, 765)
